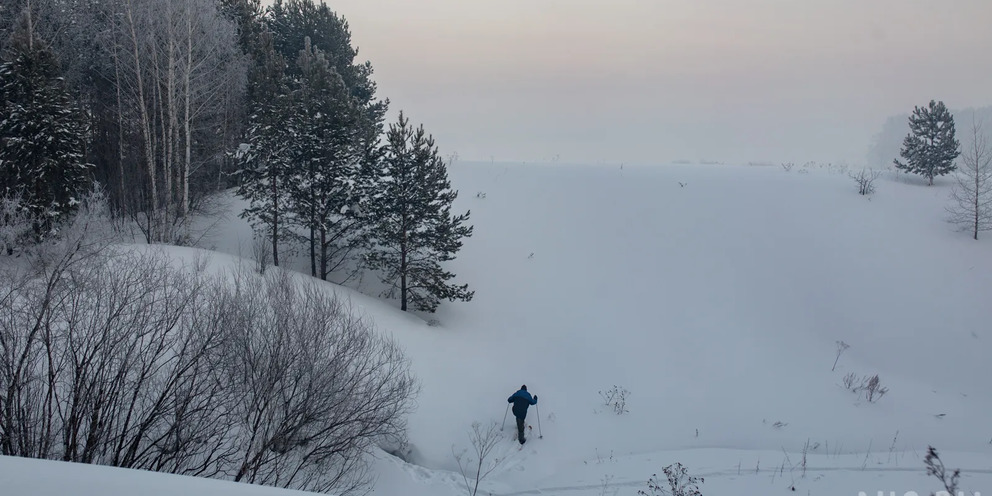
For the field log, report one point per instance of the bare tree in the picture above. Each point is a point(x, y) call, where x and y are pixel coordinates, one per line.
point(971, 207)
point(178, 64)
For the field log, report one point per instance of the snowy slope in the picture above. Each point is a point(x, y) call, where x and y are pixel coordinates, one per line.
point(27, 477)
point(715, 295)
point(718, 305)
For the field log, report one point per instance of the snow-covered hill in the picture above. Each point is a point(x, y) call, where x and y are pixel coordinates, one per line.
point(716, 296)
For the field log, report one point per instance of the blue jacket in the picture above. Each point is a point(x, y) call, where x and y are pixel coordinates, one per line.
point(521, 400)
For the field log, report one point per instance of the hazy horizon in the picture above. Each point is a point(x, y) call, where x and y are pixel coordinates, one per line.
point(648, 82)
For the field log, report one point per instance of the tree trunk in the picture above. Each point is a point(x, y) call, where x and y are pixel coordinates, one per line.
point(275, 216)
point(403, 263)
point(978, 188)
point(122, 203)
point(313, 232)
point(188, 124)
point(323, 252)
point(171, 131)
point(146, 131)
point(30, 16)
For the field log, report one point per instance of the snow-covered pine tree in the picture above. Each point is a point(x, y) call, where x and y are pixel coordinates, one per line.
point(414, 230)
point(930, 148)
point(43, 133)
point(265, 165)
point(326, 153)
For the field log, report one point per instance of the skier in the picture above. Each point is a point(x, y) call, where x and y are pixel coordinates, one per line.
point(521, 400)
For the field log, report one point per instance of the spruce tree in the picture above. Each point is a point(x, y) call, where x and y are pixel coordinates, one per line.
point(930, 148)
point(414, 230)
point(43, 134)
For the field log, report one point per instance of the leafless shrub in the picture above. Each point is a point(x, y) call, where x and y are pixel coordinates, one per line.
point(869, 386)
point(866, 180)
point(616, 398)
point(788, 166)
point(483, 459)
point(600, 460)
point(873, 389)
point(124, 359)
point(606, 486)
point(318, 386)
point(935, 467)
point(680, 483)
point(481, 195)
point(852, 382)
point(87, 337)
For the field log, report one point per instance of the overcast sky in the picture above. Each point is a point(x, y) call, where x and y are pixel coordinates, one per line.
point(649, 81)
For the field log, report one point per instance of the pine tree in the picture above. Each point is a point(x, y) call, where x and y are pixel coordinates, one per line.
point(43, 134)
point(414, 230)
point(326, 155)
point(265, 159)
point(930, 148)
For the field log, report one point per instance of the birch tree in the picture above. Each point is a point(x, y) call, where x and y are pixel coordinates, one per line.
point(971, 205)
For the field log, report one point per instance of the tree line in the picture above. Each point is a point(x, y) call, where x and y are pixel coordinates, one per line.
point(163, 104)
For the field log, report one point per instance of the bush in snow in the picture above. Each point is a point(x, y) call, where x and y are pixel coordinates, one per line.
point(869, 386)
point(852, 382)
point(616, 398)
point(606, 488)
point(866, 180)
point(873, 388)
point(126, 360)
point(935, 467)
point(680, 483)
point(483, 459)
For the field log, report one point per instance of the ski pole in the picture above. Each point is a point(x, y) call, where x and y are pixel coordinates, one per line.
point(540, 435)
point(504, 417)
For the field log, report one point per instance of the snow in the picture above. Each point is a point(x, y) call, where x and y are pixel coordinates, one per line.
point(22, 476)
point(717, 304)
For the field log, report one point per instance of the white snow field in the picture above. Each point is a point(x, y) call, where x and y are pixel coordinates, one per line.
point(716, 296)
